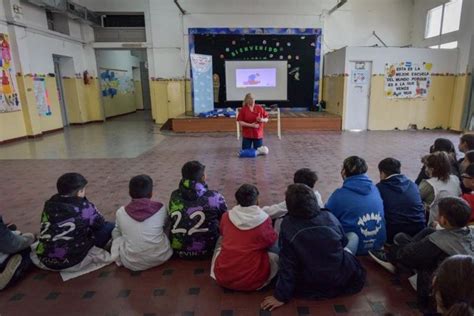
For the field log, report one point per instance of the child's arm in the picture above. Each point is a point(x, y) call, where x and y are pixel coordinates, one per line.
point(11, 243)
point(222, 206)
point(268, 236)
point(96, 220)
point(276, 210)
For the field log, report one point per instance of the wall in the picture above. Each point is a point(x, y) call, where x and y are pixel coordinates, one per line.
point(33, 47)
point(439, 109)
point(12, 123)
point(343, 28)
point(334, 81)
point(118, 60)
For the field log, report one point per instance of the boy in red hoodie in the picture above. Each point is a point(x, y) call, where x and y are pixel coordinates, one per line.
point(242, 260)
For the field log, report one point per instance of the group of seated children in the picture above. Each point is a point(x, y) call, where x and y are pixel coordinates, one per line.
point(311, 248)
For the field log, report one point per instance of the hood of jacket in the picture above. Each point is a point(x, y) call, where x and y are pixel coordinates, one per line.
point(360, 184)
point(141, 209)
point(246, 218)
point(454, 241)
point(192, 190)
point(397, 182)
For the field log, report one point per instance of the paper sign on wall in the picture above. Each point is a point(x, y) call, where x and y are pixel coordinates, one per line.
point(201, 66)
point(114, 81)
point(407, 80)
point(9, 101)
point(42, 99)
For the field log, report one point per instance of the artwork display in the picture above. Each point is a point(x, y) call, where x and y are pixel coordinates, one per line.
point(407, 80)
point(201, 66)
point(9, 100)
point(115, 82)
point(300, 47)
point(43, 103)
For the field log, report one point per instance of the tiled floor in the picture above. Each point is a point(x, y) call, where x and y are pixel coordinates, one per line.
point(179, 287)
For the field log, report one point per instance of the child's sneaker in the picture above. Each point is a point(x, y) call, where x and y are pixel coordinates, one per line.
point(380, 257)
point(12, 265)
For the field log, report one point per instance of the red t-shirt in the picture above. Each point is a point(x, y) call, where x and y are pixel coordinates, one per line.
point(247, 116)
point(470, 199)
point(243, 263)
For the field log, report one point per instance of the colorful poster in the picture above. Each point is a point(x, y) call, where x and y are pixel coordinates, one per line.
point(114, 82)
point(203, 86)
point(41, 94)
point(407, 80)
point(9, 101)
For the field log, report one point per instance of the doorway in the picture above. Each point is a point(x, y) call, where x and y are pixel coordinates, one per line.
point(124, 81)
point(356, 116)
point(60, 65)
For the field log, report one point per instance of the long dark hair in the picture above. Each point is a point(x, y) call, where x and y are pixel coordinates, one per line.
point(453, 286)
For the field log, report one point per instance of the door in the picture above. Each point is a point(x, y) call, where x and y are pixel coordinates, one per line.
point(356, 116)
point(145, 86)
point(59, 84)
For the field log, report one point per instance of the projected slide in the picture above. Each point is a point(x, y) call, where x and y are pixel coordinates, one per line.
point(254, 78)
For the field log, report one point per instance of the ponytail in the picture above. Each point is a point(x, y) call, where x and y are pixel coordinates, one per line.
point(461, 308)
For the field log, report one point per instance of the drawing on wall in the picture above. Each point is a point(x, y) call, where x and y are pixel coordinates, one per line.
point(407, 80)
point(114, 82)
point(42, 98)
point(9, 101)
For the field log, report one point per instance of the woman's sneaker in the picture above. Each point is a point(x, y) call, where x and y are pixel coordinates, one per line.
point(380, 257)
point(10, 269)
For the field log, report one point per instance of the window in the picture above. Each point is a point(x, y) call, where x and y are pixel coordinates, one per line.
point(452, 16)
point(443, 19)
point(57, 22)
point(433, 22)
point(449, 45)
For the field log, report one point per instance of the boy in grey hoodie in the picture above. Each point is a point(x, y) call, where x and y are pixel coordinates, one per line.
point(426, 250)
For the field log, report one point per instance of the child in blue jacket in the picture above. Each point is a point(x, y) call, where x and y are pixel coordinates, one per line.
point(358, 206)
point(314, 260)
point(403, 208)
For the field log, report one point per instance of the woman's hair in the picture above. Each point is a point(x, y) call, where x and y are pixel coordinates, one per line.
point(443, 144)
point(247, 97)
point(469, 156)
point(454, 287)
point(354, 165)
point(440, 164)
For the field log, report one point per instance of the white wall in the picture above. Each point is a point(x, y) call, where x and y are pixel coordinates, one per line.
point(117, 59)
point(351, 25)
point(443, 60)
point(36, 44)
point(334, 62)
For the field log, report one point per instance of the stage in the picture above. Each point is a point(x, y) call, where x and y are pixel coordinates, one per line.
point(290, 121)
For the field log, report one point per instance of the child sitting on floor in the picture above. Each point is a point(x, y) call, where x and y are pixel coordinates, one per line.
point(70, 227)
point(304, 176)
point(195, 213)
point(426, 250)
point(358, 206)
point(313, 260)
point(403, 208)
point(242, 260)
point(139, 235)
point(468, 181)
point(14, 255)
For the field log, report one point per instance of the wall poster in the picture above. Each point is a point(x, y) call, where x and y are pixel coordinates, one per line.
point(43, 103)
point(407, 80)
point(9, 101)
